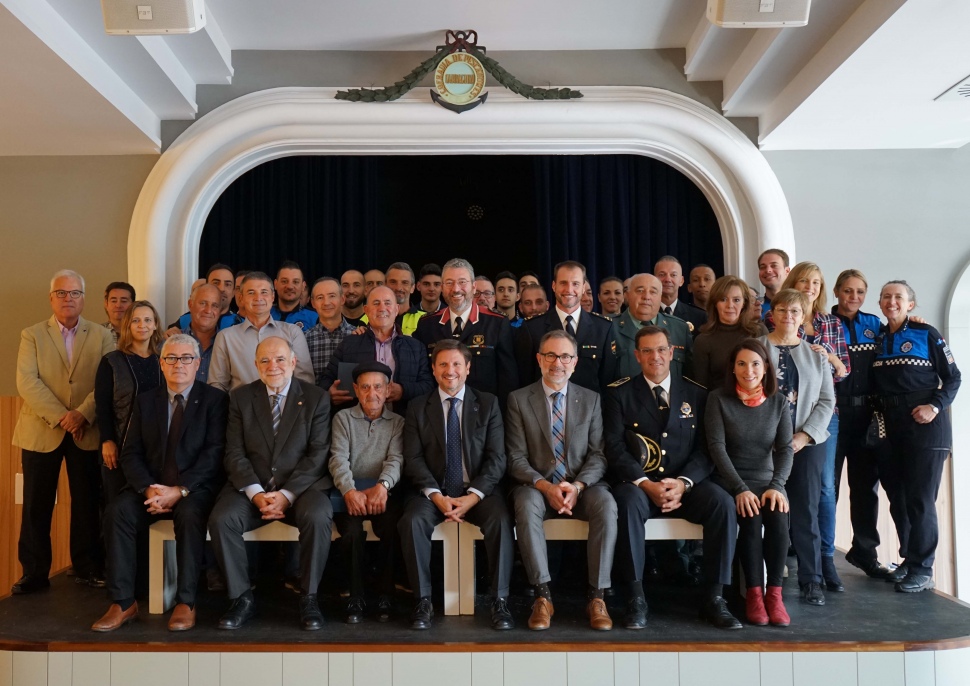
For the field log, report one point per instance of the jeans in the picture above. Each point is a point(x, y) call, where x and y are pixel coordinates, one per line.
point(826, 500)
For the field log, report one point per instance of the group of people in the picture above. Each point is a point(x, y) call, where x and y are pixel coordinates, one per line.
point(334, 404)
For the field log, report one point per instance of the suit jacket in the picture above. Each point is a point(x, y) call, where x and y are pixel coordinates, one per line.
point(694, 316)
point(201, 443)
point(528, 436)
point(411, 368)
point(482, 438)
point(630, 405)
point(51, 387)
point(489, 338)
point(296, 457)
point(623, 338)
point(816, 395)
point(596, 365)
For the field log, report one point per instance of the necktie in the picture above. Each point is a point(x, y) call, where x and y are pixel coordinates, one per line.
point(668, 310)
point(457, 332)
point(277, 412)
point(662, 402)
point(570, 329)
point(558, 438)
point(453, 479)
point(170, 469)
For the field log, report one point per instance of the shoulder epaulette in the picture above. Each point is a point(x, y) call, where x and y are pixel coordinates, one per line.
point(601, 316)
point(690, 380)
point(618, 382)
point(482, 310)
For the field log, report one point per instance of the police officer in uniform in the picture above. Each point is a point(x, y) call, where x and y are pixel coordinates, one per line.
point(486, 334)
point(658, 466)
point(596, 365)
point(855, 413)
point(644, 300)
point(915, 379)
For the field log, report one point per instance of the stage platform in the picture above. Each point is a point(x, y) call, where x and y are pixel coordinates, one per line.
point(867, 635)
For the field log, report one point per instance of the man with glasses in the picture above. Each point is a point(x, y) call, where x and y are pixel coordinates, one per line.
point(56, 366)
point(172, 462)
point(658, 467)
point(484, 293)
point(486, 334)
point(554, 443)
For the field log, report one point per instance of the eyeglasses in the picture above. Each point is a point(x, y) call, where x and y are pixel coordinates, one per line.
point(487, 294)
point(650, 351)
point(62, 295)
point(565, 358)
point(462, 283)
point(186, 360)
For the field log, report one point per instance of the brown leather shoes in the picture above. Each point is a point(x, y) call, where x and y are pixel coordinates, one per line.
point(599, 618)
point(182, 619)
point(115, 618)
point(542, 612)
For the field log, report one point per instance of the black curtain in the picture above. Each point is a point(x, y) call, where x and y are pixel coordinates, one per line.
point(614, 213)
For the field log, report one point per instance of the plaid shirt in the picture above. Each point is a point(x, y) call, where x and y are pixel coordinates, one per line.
point(322, 342)
point(828, 333)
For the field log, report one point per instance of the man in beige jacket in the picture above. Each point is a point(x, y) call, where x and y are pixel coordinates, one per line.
point(56, 366)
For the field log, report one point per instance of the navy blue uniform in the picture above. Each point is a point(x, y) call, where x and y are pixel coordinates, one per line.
point(301, 316)
point(865, 465)
point(914, 366)
point(596, 365)
point(225, 321)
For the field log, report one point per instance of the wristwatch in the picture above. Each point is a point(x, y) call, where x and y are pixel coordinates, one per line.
point(687, 484)
point(184, 491)
point(385, 483)
point(579, 488)
point(936, 410)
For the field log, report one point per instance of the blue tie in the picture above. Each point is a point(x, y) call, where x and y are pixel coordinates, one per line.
point(453, 478)
point(558, 438)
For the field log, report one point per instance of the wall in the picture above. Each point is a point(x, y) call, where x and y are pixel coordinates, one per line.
point(57, 213)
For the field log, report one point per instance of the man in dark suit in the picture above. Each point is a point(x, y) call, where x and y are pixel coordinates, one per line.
point(277, 445)
point(595, 366)
point(382, 342)
point(654, 431)
point(486, 334)
point(671, 274)
point(555, 450)
point(454, 455)
point(172, 461)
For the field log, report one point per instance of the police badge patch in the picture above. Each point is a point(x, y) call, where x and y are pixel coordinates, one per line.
point(478, 339)
point(685, 411)
point(868, 333)
point(906, 347)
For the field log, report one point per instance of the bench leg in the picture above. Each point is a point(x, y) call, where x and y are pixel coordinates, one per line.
point(451, 545)
point(468, 534)
point(156, 572)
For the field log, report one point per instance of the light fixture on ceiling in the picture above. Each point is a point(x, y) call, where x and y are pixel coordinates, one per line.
point(958, 91)
point(757, 14)
point(152, 17)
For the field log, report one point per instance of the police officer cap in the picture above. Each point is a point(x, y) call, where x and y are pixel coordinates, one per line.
point(374, 366)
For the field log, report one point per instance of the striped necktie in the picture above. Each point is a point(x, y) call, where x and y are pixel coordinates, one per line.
point(558, 438)
point(277, 411)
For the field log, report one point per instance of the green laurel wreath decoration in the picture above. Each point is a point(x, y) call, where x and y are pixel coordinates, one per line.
point(390, 93)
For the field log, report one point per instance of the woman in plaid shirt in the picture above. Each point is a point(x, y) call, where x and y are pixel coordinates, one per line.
point(825, 333)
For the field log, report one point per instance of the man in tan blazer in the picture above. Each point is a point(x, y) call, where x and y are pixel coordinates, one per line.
point(56, 366)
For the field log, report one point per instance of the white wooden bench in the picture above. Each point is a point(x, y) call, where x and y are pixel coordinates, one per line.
point(162, 570)
point(559, 529)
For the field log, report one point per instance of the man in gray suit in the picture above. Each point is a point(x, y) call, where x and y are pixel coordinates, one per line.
point(554, 443)
point(277, 447)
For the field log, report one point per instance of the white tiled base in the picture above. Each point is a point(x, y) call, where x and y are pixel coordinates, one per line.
point(940, 668)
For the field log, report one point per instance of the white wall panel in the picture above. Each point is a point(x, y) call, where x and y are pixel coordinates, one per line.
point(306, 668)
point(413, 669)
point(29, 669)
point(831, 669)
point(659, 668)
point(723, 669)
point(91, 669)
point(256, 669)
point(341, 667)
point(488, 669)
point(953, 667)
point(150, 669)
point(371, 669)
point(882, 669)
point(589, 669)
point(776, 669)
point(530, 669)
point(626, 669)
point(6, 668)
point(204, 668)
point(920, 668)
point(60, 668)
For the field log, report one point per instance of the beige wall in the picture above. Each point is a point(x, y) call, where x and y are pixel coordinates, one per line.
point(59, 213)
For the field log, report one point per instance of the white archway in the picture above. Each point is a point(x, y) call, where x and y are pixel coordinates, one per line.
point(166, 227)
point(957, 332)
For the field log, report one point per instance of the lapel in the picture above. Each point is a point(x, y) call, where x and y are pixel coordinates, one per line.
point(675, 400)
point(628, 326)
point(436, 418)
point(260, 403)
point(647, 399)
point(161, 418)
point(469, 422)
point(540, 411)
point(291, 411)
point(191, 407)
point(79, 338)
point(54, 331)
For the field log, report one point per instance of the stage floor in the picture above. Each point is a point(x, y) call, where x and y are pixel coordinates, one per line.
point(869, 615)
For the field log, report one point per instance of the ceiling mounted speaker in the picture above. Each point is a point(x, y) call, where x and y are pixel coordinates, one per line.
point(152, 17)
point(756, 14)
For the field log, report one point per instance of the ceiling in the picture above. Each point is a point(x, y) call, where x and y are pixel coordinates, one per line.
point(863, 74)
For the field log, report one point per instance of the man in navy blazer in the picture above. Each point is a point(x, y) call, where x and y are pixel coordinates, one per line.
point(454, 455)
point(382, 342)
point(172, 461)
point(277, 447)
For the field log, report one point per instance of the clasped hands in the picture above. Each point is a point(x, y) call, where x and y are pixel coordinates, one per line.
point(562, 497)
point(455, 508)
point(665, 494)
point(161, 499)
point(271, 504)
point(74, 423)
point(370, 501)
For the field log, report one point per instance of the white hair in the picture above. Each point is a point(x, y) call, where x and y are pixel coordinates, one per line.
point(68, 274)
point(181, 339)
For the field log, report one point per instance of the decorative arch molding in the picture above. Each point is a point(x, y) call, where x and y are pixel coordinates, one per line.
point(957, 332)
point(166, 227)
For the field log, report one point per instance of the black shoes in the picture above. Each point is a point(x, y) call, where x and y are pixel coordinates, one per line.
point(241, 611)
point(384, 609)
point(897, 574)
point(914, 583)
point(870, 566)
point(715, 611)
point(30, 584)
point(501, 617)
point(422, 614)
point(94, 580)
point(636, 614)
point(811, 593)
point(830, 575)
point(355, 610)
point(311, 619)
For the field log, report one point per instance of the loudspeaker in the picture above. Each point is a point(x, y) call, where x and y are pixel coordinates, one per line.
point(755, 14)
point(152, 17)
